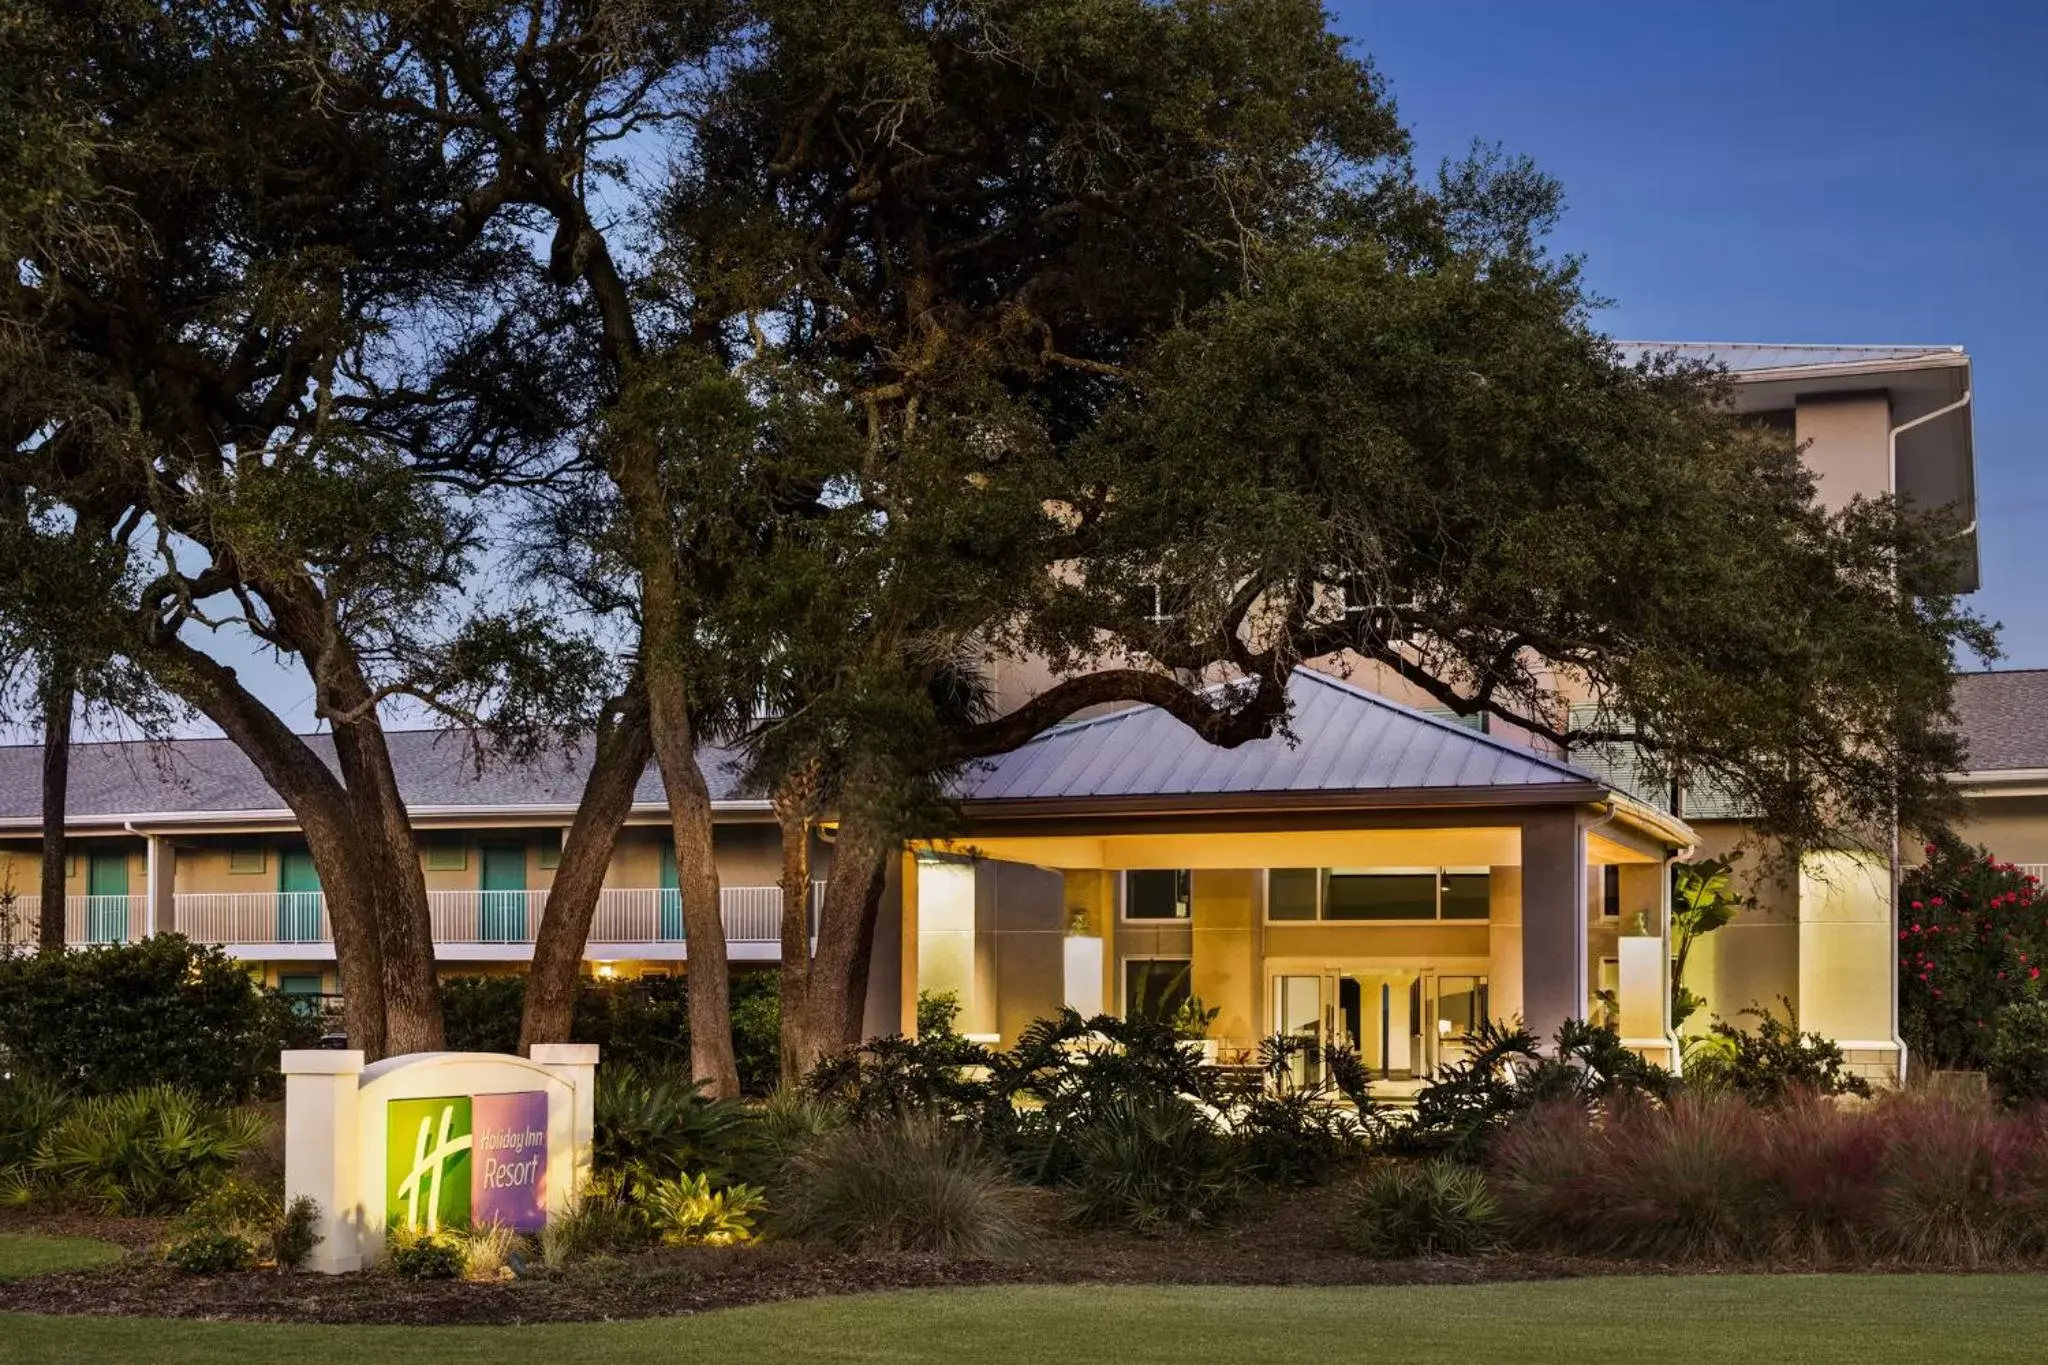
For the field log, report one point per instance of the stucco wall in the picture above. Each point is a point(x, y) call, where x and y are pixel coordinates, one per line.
point(1847, 442)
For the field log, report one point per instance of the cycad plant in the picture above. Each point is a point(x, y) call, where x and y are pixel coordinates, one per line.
point(153, 1150)
point(655, 1125)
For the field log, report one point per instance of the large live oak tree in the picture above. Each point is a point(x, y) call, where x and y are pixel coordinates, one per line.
point(250, 359)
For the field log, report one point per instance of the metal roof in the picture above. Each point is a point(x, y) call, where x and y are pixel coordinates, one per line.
point(1345, 739)
point(1744, 357)
point(2003, 718)
point(435, 768)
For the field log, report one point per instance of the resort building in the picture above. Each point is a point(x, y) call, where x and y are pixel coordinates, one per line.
point(1386, 876)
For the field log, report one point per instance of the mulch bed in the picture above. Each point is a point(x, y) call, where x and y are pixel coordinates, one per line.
point(1294, 1242)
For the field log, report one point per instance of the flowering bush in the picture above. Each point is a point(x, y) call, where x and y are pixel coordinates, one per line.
point(1972, 940)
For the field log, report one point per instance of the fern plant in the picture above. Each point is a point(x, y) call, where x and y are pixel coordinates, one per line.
point(145, 1151)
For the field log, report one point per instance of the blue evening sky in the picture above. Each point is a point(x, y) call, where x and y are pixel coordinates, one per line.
point(1790, 171)
point(1744, 171)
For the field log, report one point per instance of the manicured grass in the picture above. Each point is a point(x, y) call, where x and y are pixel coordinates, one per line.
point(26, 1253)
point(1694, 1321)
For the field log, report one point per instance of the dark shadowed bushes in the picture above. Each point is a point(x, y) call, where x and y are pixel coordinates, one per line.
point(1914, 1177)
point(1152, 1163)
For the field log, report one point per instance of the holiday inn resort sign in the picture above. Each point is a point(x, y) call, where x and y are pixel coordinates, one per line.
point(434, 1140)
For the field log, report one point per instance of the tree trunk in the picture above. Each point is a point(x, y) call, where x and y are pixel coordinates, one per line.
point(690, 817)
point(831, 1016)
point(863, 958)
point(309, 787)
point(398, 888)
point(58, 696)
point(623, 748)
point(795, 802)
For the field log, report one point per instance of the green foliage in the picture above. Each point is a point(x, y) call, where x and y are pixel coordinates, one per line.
point(938, 1014)
point(1459, 1112)
point(642, 1022)
point(783, 1125)
point(297, 1233)
point(415, 1254)
point(163, 1010)
point(1703, 900)
point(2017, 1060)
point(1153, 1163)
point(1430, 1208)
point(1972, 941)
point(602, 1221)
point(1192, 1020)
point(688, 1212)
point(29, 1108)
point(656, 1126)
point(900, 1184)
point(154, 1150)
point(1774, 1063)
point(210, 1252)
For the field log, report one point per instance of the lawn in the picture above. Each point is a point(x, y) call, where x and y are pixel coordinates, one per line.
point(23, 1254)
point(1697, 1321)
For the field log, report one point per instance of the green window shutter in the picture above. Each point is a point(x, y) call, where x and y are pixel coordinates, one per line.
point(247, 858)
point(551, 849)
point(447, 857)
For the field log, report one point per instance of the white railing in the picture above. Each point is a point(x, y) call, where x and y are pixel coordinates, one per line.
point(486, 916)
point(752, 914)
point(87, 919)
point(254, 917)
point(2035, 870)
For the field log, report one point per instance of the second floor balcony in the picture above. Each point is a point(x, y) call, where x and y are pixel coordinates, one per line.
point(478, 925)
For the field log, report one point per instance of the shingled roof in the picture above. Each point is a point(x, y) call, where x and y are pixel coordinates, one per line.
point(1345, 739)
point(2004, 719)
point(436, 769)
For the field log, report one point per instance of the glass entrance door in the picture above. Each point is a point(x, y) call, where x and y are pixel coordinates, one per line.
point(1298, 1017)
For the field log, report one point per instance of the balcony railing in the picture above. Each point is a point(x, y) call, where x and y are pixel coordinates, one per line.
point(87, 920)
point(624, 915)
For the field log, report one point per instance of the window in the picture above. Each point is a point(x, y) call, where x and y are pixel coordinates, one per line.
point(447, 857)
point(246, 858)
point(1156, 987)
point(1292, 892)
point(1610, 891)
point(1467, 895)
point(1157, 894)
point(551, 849)
point(1379, 895)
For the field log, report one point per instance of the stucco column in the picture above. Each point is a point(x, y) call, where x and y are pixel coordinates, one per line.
point(575, 1063)
point(321, 1158)
point(162, 879)
point(1848, 952)
point(1504, 942)
point(1554, 945)
point(907, 931)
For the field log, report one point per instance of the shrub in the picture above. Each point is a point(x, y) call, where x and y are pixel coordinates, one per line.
point(490, 1251)
point(938, 1014)
point(1541, 1170)
point(297, 1233)
point(1432, 1208)
point(2017, 1061)
point(784, 1124)
point(1681, 1183)
point(153, 1150)
point(653, 1126)
point(29, 1109)
point(212, 1252)
point(643, 1022)
point(602, 1222)
point(163, 1010)
point(418, 1255)
point(1951, 1189)
point(1151, 1163)
point(1971, 943)
point(688, 1212)
point(1823, 1162)
point(941, 1075)
point(902, 1184)
point(1774, 1063)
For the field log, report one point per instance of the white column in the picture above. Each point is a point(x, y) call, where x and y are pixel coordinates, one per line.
point(162, 882)
point(1554, 948)
point(321, 1157)
point(575, 1063)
